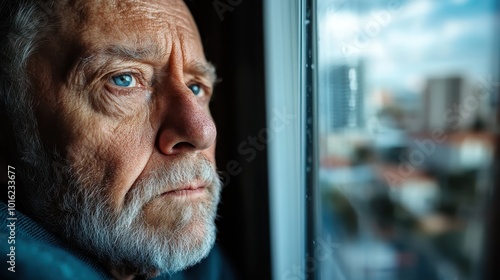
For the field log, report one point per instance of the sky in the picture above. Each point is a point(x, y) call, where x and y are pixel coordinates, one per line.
point(403, 45)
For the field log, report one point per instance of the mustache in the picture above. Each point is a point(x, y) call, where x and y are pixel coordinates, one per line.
point(180, 173)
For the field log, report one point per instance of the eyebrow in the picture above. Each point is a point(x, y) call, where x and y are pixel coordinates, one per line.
point(205, 69)
point(153, 53)
point(150, 52)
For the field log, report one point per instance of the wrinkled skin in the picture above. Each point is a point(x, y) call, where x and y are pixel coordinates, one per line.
point(118, 132)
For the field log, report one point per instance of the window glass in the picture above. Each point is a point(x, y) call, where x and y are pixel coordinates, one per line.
point(406, 113)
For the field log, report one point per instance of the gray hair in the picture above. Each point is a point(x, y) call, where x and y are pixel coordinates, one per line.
point(23, 25)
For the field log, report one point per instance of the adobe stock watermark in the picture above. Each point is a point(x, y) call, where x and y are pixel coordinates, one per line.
point(452, 118)
point(223, 6)
point(372, 28)
point(323, 250)
point(466, 109)
point(257, 143)
point(11, 218)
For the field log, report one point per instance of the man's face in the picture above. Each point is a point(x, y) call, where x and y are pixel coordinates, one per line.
point(122, 91)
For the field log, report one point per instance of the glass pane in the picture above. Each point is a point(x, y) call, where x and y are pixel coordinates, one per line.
point(407, 114)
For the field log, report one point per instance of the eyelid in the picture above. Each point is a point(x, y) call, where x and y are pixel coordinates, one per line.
point(204, 85)
point(138, 75)
point(206, 91)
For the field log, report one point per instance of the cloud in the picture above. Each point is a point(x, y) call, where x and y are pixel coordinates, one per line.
point(424, 38)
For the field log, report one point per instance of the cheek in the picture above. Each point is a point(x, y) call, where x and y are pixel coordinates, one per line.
point(130, 155)
point(131, 148)
point(113, 154)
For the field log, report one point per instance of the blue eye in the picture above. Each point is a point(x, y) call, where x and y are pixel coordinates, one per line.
point(124, 80)
point(196, 89)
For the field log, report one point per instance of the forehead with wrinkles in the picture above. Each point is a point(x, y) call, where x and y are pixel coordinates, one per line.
point(136, 22)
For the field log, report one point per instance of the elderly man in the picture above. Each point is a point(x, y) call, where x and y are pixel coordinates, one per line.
point(108, 142)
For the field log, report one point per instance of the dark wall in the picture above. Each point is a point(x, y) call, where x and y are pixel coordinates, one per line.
point(232, 35)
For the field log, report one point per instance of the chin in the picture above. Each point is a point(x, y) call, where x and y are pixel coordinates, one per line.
point(153, 231)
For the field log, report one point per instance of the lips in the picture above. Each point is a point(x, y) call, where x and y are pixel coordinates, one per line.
point(186, 191)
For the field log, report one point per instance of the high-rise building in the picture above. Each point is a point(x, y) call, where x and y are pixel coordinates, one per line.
point(441, 104)
point(343, 103)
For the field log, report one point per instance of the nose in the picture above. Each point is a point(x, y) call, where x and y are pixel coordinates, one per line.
point(187, 125)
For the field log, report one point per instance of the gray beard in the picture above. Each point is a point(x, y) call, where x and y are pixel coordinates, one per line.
point(122, 239)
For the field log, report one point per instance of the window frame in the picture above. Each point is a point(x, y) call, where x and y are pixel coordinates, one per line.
point(290, 53)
